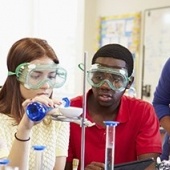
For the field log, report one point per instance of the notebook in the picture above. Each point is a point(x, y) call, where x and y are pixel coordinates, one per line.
point(135, 165)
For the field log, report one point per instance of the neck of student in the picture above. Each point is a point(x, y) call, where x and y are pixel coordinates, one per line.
point(100, 113)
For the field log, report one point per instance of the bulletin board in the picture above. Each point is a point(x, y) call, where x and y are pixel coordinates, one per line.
point(123, 29)
point(156, 48)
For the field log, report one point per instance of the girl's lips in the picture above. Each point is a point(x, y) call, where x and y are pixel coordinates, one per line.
point(46, 94)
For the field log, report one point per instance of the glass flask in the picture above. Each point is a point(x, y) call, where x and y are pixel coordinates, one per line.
point(36, 111)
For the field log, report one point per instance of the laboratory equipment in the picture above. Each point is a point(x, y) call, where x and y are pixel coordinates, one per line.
point(38, 151)
point(135, 165)
point(3, 163)
point(110, 144)
point(36, 111)
point(71, 112)
point(83, 126)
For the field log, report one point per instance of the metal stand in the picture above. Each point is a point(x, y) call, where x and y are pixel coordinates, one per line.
point(84, 114)
point(83, 120)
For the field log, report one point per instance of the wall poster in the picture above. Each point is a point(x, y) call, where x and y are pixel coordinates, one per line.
point(122, 29)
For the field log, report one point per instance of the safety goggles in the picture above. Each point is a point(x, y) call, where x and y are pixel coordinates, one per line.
point(34, 76)
point(117, 79)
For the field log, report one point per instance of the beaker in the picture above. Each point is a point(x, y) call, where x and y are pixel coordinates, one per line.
point(110, 144)
point(38, 151)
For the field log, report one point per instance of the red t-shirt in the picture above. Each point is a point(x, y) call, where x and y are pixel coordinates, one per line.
point(137, 133)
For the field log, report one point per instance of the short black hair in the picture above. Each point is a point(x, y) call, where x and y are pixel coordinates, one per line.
point(116, 51)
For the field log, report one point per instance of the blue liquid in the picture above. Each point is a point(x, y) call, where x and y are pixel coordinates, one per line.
point(36, 111)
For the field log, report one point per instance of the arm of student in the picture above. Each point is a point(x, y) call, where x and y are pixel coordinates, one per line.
point(165, 123)
point(161, 99)
point(149, 155)
point(19, 153)
point(60, 163)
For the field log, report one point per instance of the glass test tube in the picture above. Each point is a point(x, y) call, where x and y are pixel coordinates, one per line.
point(110, 144)
point(3, 163)
point(38, 149)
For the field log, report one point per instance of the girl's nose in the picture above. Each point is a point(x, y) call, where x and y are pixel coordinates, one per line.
point(46, 85)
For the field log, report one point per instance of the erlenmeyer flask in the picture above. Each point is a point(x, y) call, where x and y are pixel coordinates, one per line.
point(36, 111)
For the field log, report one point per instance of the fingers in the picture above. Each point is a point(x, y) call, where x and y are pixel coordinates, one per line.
point(95, 166)
point(42, 99)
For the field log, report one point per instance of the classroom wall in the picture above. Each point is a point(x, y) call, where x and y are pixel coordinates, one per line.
point(94, 9)
point(70, 29)
point(61, 23)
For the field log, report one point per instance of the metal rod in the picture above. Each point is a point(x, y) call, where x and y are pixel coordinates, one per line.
point(84, 114)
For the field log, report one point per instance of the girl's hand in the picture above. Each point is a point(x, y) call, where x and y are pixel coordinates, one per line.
point(26, 122)
point(42, 99)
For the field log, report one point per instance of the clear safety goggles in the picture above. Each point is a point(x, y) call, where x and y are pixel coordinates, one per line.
point(117, 79)
point(34, 76)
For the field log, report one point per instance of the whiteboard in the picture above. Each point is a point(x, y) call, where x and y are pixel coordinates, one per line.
point(156, 48)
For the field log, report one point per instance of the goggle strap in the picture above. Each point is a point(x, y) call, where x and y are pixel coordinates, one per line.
point(81, 66)
point(10, 73)
point(17, 70)
point(129, 78)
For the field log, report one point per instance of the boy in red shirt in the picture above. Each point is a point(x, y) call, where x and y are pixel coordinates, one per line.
point(137, 134)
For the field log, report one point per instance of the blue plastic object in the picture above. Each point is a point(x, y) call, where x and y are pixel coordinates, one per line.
point(111, 123)
point(36, 111)
point(65, 102)
point(4, 161)
point(39, 147)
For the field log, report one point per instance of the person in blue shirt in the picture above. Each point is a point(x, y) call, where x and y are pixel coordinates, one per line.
point(161, 98)
point(161, 103)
